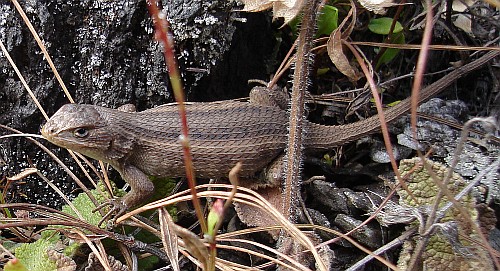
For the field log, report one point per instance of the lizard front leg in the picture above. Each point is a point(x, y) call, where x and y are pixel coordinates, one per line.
point(140, 189)
point(140, 186)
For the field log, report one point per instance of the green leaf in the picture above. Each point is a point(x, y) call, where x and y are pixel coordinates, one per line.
point(294, 24)
point(328, 159)
point(328, 20)
point(391, 53)
point(322, 71)
point(393, 103)
point(383, 25)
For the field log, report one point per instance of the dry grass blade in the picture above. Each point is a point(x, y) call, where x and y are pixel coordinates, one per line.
point(357, 245)
point(61, 194)
point(430, 46)
point(23, 174)
point(396, 242)
point(99, 253)
point(280, 259)
point(44, 216)
point(244, 196)
point(194, 245)
point(44, 50)
point(169, 238)
point(59, 162)
point(6, 251)
point(247, 196)
point(23, 81)
point(22, 135)
point(371, 255)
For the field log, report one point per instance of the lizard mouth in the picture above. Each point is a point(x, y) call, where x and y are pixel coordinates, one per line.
point(51, 135)
point(48, 133)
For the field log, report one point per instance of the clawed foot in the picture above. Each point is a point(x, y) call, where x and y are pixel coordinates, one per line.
point(118, 208)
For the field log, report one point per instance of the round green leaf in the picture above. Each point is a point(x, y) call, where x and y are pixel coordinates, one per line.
point(327, 20)
point(383, 25)
point(391, 53)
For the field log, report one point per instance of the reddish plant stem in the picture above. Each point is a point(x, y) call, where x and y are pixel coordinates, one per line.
point(162, 34)
point(388, 39)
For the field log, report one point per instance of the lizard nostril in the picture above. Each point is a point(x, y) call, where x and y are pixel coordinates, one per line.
point(48, 130)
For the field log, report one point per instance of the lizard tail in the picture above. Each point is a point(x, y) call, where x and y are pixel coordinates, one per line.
point(322, 138)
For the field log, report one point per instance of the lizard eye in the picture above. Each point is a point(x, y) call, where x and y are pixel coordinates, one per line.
point(81, 132)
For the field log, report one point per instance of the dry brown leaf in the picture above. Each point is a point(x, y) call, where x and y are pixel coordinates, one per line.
point(335, 48)
point(337, 56)
point(290, 246)
point(256, 5)
point(377, 6)
point(95, 265)
point(169, 238)
point(287, 9)
point(462, 19)
point(63, 262)
point(255, 216)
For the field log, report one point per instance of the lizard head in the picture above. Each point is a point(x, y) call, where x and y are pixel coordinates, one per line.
point(80, 128)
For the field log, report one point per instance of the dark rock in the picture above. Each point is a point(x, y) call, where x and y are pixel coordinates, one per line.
point(107, 55)
point(366, 234)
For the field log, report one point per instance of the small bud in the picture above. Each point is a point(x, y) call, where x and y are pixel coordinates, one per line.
point(214, 216)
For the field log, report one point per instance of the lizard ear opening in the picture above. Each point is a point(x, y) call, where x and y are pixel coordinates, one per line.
point(81, 132)
point(119, 146)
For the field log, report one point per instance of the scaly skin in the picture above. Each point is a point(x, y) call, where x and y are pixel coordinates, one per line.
point(138, 144)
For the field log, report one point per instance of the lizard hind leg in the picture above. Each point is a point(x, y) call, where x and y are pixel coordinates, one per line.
point(271, 97)
point(270, 176)
point(129, 108)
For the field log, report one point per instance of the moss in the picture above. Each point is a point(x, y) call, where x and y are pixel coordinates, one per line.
point(85, 206)
point(14, 265)
point(163, 188)
point(34, 255)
